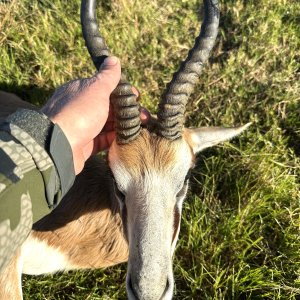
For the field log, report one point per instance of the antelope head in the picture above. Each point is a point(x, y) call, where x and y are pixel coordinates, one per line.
point(151, 164)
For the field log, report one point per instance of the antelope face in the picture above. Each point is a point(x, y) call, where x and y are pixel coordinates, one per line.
point(151, 165)
point(151, 177)
point(151, 181)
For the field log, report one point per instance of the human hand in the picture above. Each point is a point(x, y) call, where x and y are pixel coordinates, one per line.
point(82, 110)
point(108, 134)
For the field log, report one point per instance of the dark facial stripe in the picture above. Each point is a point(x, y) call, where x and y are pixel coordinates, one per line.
point(176, 222)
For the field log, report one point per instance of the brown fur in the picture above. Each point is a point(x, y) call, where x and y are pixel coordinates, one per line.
point(10, 280)
point(146, 153)
point(188, 139)
point(86, 226)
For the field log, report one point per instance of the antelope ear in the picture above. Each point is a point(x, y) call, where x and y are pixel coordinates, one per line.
point(204, 137)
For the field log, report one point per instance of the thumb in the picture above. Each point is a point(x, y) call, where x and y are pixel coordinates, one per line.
point(109, 74)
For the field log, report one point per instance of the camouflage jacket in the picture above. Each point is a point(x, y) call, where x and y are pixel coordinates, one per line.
point(36, 171)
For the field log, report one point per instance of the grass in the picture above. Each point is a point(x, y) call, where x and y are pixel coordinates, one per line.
point(240, 236)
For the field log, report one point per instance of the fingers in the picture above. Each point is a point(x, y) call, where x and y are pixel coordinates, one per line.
point(103, 141)
point(109, 126)
point(109, 74)
point(108, 134)
point(144, 115)
point(110, 123)
point(136, 92)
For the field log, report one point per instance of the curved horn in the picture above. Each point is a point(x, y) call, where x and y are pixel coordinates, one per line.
point(123, 99)
point(172, 106)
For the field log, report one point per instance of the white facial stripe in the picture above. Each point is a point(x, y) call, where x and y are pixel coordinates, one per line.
point(121, 174)
point(184, 159)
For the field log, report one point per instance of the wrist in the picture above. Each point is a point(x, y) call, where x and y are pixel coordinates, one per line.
point(51, 138)
point(78, 160)
point(77, 153)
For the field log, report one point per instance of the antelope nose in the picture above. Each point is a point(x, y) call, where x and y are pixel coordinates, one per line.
point(150, 292)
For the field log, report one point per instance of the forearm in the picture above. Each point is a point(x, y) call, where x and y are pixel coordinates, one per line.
point(36, 170)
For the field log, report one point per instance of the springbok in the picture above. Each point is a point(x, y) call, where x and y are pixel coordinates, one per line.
point(127, 206)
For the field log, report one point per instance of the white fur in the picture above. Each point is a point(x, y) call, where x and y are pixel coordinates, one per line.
point(121, 174)
point(150, 201)
point(40, 258)
point(205, 137)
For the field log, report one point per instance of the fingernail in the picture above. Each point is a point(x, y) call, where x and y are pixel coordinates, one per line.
point(110, 61)
point(144, 114)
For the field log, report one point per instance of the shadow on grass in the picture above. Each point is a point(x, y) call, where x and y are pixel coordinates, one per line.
point(293, 140)
point(291, 126)
point(30, 93)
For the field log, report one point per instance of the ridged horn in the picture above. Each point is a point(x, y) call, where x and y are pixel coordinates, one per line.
point(171, 108)
point(123, 99)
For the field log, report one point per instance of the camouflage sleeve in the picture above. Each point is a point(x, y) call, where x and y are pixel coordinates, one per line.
point(36, 171)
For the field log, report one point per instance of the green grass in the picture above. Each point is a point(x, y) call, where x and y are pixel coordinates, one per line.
point(240, 236)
